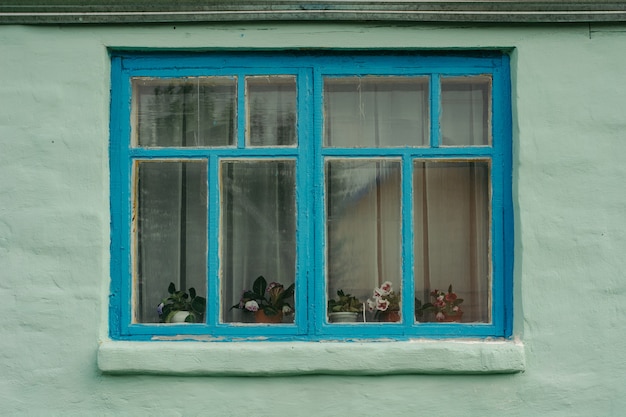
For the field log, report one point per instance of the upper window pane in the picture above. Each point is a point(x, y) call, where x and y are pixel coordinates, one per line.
point(366, 112)
point(466, 111)
point(198, 111)
point(271, 103)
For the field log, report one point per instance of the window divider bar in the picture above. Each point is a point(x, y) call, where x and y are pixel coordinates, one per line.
point(435, 109)
point(408, 280)
point(318, 286)
point(242, 111)
point(213, 312)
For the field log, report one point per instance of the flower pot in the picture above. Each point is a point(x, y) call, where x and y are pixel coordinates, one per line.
point(178, 317)
point(261, 317)
point(389, 316)
point(451, 318)
point(343, 317)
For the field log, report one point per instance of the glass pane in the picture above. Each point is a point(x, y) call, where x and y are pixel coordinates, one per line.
point(363, 234)
point(375, 112)
point(185, 112)
point(466, 111)
point(171, 236)
point(452, 248)
point(258, 239)
point(271, 103)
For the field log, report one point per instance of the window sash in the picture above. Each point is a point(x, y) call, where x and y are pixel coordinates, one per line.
point(309, 155)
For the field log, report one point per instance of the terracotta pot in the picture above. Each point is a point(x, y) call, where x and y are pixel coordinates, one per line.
point(452, 319)
point(261, 317)
point(389, 316)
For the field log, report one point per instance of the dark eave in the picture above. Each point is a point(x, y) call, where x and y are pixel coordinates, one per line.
point(171, 11)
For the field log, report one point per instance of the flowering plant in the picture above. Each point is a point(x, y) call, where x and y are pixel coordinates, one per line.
point(181, 301)
point(444, 304)
point(384, 299)
point(272, 298)
point(346, 303)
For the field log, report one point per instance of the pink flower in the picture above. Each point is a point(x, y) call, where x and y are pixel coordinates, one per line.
point(440, 316)
point(386, 288)
point(455, 309)
point(382, 305)
point(371, 304)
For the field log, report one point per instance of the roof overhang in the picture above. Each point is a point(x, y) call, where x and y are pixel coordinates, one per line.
point(168, 11)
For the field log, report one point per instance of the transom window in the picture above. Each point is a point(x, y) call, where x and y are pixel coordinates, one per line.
point(310, 196)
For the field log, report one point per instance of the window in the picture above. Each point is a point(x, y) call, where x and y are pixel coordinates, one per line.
point(301, 177)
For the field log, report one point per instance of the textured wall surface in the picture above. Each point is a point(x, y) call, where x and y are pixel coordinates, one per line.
point(569, 95)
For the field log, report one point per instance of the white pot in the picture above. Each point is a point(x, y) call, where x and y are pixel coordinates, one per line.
point(179, 317)
point(343, 317)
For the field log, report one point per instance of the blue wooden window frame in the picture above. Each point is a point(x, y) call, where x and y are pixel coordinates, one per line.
point(309, 154)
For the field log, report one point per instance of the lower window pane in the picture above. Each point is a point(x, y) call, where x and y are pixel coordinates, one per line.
point(452, 245)
point(363, 250)
point(258, 239)
point(171, 239)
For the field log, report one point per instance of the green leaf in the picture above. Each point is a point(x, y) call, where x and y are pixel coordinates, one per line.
point(259, 286)
point(198, 304)
point(172, 288)
point(288, 292)
point(192, 292)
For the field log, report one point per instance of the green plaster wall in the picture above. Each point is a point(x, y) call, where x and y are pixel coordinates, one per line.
point(569, 99)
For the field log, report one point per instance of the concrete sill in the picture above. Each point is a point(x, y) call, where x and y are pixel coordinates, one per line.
point(302, 358)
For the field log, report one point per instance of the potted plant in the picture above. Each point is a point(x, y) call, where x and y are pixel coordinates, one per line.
point(267, 302)
point(344, 309)
point(385, 303)
point(445, 305)
point(180, 307)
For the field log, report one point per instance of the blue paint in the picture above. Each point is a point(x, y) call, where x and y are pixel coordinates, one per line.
point(310, 68)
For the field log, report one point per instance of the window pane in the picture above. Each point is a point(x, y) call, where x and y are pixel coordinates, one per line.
point(363, 235)
point(271, 102)
point(466, 111)
point(375, 111)
point(258, 230)
point(171, 232)
point(452, 229)
point(185, 112)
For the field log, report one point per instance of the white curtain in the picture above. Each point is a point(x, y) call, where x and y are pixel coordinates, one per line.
point(258, 228)
point(451, 198)
point(171, 231)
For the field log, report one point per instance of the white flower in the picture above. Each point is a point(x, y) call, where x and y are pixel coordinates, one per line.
point(252, 305)
point(371, 304)
point(286, 309)
point(440, 316)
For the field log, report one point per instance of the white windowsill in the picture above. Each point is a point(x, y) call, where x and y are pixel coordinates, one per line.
point(299, 358)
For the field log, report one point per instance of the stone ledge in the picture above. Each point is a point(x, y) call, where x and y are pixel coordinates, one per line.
point(302, 358)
